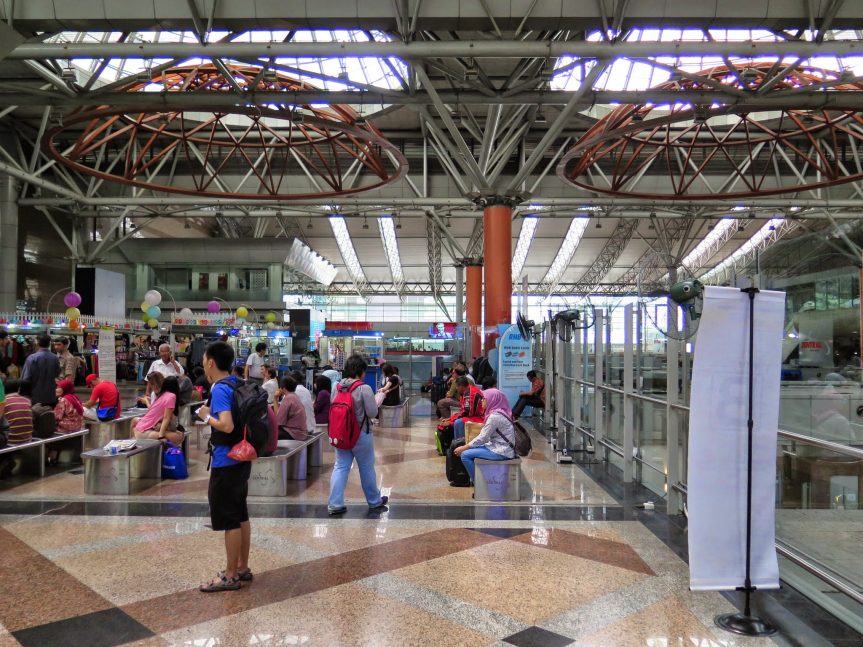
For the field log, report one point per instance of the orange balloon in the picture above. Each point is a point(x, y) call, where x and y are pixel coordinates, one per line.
point(73, 325)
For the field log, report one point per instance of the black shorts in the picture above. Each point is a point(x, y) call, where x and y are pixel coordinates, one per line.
point(227, 493)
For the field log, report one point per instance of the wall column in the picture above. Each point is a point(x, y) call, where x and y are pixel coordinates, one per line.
point(8, 242)
point(459, 310)
point(497, 254)
point(474, 307)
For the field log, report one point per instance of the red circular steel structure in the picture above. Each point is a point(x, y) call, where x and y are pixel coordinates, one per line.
point(742, 156)
point(339, 153)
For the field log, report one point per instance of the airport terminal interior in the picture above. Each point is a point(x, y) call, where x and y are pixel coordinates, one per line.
point(580, 214)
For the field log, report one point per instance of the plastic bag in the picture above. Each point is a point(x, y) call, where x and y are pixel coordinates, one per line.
point(173, 463)
point(243, 450)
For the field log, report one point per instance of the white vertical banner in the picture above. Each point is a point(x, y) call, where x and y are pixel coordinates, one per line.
point(718, 437)
point(107, 355)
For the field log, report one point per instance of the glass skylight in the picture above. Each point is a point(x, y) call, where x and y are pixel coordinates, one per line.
point(525, 238)
point(391, 247)
point(761, 235)
point(346, 247)
point(567, 251)
point(702, 252)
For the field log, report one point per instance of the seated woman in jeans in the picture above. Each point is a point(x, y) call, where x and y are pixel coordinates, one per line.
point(497, 438)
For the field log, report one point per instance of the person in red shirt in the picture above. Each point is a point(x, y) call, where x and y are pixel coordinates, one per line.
point(472, 406)
point(104, 402)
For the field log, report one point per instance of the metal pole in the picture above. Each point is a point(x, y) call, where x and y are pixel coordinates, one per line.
point(628, 403)
point(598, 370)
point(8, 242)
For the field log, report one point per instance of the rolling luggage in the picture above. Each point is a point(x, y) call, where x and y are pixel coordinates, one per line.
point(456, 472)
point(443, 437)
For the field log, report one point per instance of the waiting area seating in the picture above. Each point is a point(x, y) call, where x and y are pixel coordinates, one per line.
point(396, 416)
point(112, 474)
point(290, 462)
point(32, 454)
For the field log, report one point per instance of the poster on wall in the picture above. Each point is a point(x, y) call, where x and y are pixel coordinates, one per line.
point(514, 359)
point(107, 355)
point(718, 440)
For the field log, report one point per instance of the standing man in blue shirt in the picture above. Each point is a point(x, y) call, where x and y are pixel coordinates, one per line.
point(41, 370)
point(229, 479)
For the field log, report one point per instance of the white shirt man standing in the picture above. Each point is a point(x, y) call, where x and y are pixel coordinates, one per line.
point(166, 365)
point(255, 365)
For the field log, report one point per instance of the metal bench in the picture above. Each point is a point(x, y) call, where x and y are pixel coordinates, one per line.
point(186, 415)
point(270, 474)
point(107, 473)
point(74, 440)
point(497, 480)
point(316, 446)
point(396, 416)
point(32, 456)
point(103, 432)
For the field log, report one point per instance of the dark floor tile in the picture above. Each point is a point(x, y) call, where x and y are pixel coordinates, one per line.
point(101, 629)
point(503, 533)
point(537, 637)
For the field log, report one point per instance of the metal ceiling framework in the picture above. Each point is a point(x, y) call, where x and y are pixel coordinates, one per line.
point(483, 102)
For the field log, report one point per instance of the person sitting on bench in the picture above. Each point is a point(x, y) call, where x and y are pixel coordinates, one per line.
point(533, 398)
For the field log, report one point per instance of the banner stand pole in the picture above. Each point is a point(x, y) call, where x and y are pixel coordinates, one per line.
point(745, 623)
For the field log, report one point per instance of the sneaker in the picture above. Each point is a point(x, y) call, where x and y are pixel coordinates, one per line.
point(335, 511)
point(381, 506)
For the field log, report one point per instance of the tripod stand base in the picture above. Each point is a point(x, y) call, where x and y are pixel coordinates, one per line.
point(740, 623)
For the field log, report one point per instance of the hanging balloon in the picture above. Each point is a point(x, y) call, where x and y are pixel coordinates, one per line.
point(270, 317)
point(144, 306)
point(154, 312)
point(72, 300)
point(153, 297)
point(153, 323)
point(74, 324)
point(185, 313)
point(242, 312)
point(72, 313)
point(213, 306)
point(271, 325)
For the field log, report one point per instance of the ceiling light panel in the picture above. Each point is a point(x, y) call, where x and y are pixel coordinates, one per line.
point(567, 250)
point(346, 247)
point(306, 261)
point(525, 238)
point(391, 247)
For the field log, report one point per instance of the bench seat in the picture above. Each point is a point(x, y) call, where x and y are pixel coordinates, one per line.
point(497, 480)
point(112, 474)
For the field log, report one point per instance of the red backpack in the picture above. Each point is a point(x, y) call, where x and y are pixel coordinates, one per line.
point(344, 428)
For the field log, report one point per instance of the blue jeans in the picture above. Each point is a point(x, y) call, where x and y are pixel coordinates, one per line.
point(364, 453)
point(458, 428)
point(470, 455)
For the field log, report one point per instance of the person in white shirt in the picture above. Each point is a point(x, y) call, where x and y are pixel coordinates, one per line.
point(307, 399)
point(255, 365)
point(166, 365)
point(271, 384)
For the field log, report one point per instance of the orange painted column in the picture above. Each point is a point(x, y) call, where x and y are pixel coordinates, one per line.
point(473, 309)
point(497, 256)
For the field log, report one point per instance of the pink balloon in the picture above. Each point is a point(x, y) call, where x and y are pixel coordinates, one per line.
point(213, 306)
point(72, 300)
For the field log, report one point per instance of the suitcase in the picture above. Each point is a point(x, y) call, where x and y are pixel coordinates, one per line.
point(456, 472)
point(443, 438)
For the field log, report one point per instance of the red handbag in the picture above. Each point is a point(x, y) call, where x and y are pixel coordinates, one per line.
point(243, 450)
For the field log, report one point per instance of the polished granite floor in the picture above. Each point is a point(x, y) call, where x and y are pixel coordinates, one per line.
point(575, 563)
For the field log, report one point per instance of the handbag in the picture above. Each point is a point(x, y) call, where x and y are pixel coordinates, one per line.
point(104, 414)
point(380, 396)
point(173, 462)
point(243, 450)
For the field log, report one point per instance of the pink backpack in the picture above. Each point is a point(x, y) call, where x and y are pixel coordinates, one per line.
point(344, 428)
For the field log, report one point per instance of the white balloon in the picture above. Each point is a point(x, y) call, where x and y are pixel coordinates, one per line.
point(185, 313)
point(153, 297)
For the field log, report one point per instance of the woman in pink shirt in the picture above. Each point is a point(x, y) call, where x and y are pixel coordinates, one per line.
point(160, 421)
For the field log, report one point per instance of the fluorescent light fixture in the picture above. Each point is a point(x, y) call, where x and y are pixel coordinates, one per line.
point(566, 251)
point(306, 261)
point(525, 238)
point(760, 236)
point(391, 247)
point(702, 252)
point(346, 247)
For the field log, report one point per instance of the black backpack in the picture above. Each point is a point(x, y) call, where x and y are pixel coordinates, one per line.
point(249, 411)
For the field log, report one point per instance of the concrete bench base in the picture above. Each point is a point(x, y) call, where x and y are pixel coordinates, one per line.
point(106, 473)
point(498, 480)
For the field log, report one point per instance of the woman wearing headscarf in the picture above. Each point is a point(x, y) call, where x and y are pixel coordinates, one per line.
point(69, 412)
point(496, 441)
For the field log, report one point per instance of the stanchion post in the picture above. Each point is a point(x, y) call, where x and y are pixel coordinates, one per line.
point(745, 623)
